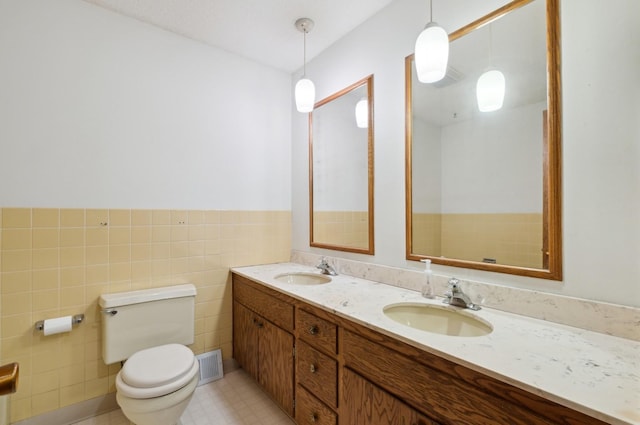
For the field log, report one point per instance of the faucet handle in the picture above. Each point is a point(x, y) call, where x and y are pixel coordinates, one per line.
point(454, 284)
point(326, 267)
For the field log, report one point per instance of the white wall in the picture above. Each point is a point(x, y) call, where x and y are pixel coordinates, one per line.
point(339, 148)
point(494, 164)
point(426, 153)
point(601, 141)
point(99, 110)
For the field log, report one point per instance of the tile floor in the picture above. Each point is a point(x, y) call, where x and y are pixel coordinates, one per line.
point(233, 400)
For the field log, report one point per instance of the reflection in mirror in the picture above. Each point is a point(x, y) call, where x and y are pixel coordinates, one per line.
point(341, 170)
point(483, 187)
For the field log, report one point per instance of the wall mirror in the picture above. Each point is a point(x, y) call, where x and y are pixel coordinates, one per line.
point(483, 188)
point(341, 170)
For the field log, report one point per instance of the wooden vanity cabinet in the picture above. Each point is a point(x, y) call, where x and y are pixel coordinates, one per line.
point(349, 374)
point(263, 342)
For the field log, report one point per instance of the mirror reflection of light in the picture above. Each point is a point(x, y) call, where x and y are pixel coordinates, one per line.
point(362, 113)
point(490, 91)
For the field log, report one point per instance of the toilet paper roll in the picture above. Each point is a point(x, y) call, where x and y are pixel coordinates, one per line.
point(57, 325)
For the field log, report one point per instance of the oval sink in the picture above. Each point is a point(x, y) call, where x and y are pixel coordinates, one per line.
point(303, 278)
point(436, 319)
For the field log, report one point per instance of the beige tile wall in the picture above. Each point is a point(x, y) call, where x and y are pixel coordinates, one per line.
point(514, 239)
point(56, 262)
point(426, 233)
point(345, 228)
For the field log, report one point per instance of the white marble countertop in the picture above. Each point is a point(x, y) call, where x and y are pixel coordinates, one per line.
point(593, 373)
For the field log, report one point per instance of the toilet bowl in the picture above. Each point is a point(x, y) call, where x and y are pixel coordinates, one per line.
point(149, 330)
point(155, 385)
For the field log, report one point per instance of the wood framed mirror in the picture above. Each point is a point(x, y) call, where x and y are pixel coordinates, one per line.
point(483, 189)
point(341, 170)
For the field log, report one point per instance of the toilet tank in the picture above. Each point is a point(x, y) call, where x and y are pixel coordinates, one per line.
point(135, 320)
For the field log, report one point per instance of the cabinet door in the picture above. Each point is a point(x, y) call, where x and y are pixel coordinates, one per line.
point(275, 366)
point(245, 339)
point(365, 404)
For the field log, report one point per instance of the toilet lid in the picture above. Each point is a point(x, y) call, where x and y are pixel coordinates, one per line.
point(157, 366)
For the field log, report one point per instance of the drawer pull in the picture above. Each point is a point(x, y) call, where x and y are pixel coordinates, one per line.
point(313, 330)
point(313, 417)
point(313, 368)
point(257, 323)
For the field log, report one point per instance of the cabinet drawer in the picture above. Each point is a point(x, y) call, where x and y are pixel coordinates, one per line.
point(317, 332)
point(444, 397)
point(275, 310)
point(318, 373)
point(310, 411)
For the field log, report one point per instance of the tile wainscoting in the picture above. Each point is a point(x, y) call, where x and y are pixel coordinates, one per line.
point(56, 262)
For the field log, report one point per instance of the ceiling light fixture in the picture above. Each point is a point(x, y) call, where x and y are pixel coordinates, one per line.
point(431, 51)
point(305, 90)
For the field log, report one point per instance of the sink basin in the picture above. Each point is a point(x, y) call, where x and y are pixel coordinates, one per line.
point(303, 278)
point(437, 319)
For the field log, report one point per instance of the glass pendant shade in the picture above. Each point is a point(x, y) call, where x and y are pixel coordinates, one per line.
point(490, 91)
point(362, 113)
point(305, 95)
point(432, 53)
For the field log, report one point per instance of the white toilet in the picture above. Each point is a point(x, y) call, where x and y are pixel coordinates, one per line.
point(149, 329)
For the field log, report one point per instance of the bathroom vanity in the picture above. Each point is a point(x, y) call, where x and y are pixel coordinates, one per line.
point(326, 366)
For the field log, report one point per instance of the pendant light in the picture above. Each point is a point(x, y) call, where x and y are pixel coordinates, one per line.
point(362, 113)
point(490, 87)
point(431, 52)
point(305, 90)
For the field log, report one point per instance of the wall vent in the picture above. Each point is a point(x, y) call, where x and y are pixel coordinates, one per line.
point(210, 366)
point(451, 77)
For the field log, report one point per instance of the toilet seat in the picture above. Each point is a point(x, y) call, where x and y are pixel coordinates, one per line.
point(157, 371)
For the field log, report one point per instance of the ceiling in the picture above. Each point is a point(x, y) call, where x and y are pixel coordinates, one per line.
point(261, 30)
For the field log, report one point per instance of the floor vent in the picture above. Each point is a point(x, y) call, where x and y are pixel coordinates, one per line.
point(210, 366)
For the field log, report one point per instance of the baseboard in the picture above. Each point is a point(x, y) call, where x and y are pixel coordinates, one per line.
point(230, 365)
point(94, 407)
point(74, 413)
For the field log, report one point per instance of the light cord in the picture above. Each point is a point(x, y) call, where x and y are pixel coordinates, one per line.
point(304, 54)
point(490, 45)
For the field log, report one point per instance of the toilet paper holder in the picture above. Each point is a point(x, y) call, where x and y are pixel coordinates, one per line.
point(75, 319)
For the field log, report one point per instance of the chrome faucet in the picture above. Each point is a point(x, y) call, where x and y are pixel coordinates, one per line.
point(455, 296)
point(326, 267)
